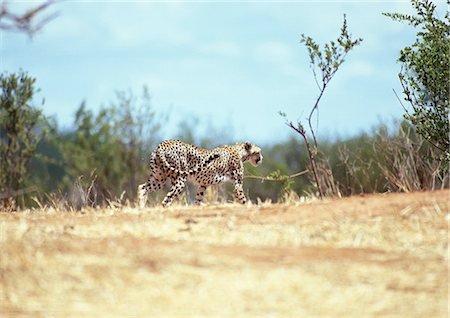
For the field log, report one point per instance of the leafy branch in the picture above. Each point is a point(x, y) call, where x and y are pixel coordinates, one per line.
point(425, 74)
point(277, 176)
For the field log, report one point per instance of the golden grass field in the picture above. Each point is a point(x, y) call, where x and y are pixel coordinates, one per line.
point(364, 256)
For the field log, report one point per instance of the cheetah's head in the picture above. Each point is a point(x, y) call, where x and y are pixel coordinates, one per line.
point(251, 153)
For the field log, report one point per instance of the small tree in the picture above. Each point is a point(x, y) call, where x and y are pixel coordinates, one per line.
point(325, 62)
point(19, 135)
point(111, 146)
point(424, 74)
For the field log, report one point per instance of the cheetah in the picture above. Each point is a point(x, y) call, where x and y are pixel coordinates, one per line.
point(178, 162)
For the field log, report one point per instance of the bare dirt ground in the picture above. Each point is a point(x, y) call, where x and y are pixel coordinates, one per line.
point(374, 255)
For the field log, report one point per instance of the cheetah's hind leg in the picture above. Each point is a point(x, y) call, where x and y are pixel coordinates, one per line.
point(142, 195)
point(143, 189)
point(177, 186)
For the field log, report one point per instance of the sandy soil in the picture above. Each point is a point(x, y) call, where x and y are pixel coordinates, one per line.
point(365, 256)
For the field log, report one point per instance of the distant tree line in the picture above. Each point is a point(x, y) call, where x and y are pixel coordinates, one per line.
point(104, 156)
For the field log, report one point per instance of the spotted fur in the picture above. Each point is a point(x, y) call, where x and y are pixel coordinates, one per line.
point(178, 161)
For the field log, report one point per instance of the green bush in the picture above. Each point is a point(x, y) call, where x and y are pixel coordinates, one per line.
point(107, 152)
point(21, 130)
point(425, 74)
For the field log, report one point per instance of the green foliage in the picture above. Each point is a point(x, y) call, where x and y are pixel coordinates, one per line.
point(280, 161)
point(111, 147)
point(425, 74)
point(48, 164)
point(328, 60)
point(19, 131)
point(285, 180)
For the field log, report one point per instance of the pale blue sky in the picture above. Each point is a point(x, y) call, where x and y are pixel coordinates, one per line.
point(232, 64)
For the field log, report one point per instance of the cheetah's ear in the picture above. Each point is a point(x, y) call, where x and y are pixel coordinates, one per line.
point(247, 146)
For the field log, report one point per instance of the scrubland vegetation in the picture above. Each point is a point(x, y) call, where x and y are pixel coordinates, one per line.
point(104, 155)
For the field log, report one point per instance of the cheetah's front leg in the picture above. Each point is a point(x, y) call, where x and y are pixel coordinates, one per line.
point(175, 190)
point(238, 192)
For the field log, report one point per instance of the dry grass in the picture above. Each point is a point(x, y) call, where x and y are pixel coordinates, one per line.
point(380, 255)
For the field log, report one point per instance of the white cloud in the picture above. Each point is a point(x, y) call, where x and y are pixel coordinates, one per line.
point(146, 25)
point(274, 52)
point(154, 84)
point(221, 49)
point(92, 25)
point(280, 58)
point(64, 27)
point(359, 68)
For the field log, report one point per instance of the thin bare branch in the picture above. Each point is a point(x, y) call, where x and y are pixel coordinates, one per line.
point(298, 174)
point(399, 100)
point(29, 22)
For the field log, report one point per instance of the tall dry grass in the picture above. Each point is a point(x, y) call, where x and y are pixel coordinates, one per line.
point(409, 162)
